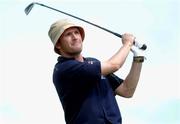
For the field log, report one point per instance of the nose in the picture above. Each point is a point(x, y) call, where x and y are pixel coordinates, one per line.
point(74, 35)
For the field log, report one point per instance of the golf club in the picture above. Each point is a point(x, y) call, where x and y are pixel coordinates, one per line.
point(30, 6)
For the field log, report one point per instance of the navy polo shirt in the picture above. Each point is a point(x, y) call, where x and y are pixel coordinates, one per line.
point(86, 96)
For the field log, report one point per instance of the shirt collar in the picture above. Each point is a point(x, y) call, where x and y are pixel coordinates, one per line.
point(62, 59)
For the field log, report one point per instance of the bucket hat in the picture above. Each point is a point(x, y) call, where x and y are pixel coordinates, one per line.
point(58, 28)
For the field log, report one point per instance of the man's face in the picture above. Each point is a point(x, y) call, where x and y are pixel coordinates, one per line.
point(70, 42)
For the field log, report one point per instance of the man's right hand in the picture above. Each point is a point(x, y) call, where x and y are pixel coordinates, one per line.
point(128, 39)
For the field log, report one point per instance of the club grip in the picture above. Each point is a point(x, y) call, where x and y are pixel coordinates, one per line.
point(140, 46)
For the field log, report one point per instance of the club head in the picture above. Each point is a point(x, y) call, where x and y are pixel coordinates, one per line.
point(29, 8)
point(144, 47)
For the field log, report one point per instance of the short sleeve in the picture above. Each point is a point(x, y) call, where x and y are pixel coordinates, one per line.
point(87, 71)
point(114, 81)
point(80, 74)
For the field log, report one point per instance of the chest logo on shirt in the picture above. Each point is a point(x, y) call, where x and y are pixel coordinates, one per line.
point(90, 62)
point(102, 77)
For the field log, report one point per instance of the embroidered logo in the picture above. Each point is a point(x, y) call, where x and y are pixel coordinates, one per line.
point(90, 62)
point(102, 77)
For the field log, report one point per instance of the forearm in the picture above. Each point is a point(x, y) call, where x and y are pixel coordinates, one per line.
point(131, 81)
point(116, 61)
point(119, 58)
point(133, 76)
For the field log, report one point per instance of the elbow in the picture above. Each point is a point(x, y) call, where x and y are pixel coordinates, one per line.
point(129, 92)
point(116, 67)
point(128, 95)
point(109, 67)
point(124, 91)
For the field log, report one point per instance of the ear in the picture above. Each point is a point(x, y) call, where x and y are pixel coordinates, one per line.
point(58, 45)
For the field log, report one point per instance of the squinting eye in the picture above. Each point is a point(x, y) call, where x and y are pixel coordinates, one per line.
point(68, 34)
point(76, 32)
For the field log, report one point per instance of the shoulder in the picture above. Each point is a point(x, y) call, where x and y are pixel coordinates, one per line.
point(70, 63)
point(71, 68)
point(91, 59)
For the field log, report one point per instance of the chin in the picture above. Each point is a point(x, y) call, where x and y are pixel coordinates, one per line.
point(75, 52)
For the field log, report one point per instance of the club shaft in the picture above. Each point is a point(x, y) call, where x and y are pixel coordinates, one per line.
point(140, 46)
point(116, 34)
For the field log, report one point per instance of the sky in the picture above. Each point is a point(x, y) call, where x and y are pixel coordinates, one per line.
point(27, 94)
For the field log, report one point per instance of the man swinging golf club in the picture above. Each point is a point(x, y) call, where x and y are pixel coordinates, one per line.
point(87, 87)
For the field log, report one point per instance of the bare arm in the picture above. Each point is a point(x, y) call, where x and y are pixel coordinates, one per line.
point(118, 59)
point(127, 88)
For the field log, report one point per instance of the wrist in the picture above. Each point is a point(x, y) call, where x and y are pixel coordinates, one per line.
point(128, 45)
point(138, 59)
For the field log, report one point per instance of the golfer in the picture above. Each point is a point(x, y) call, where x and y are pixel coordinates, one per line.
point(87, 87)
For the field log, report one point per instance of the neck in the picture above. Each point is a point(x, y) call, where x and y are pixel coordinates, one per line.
point(78, 57)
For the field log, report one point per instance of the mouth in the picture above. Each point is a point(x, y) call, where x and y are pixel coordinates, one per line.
point(76, 43)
